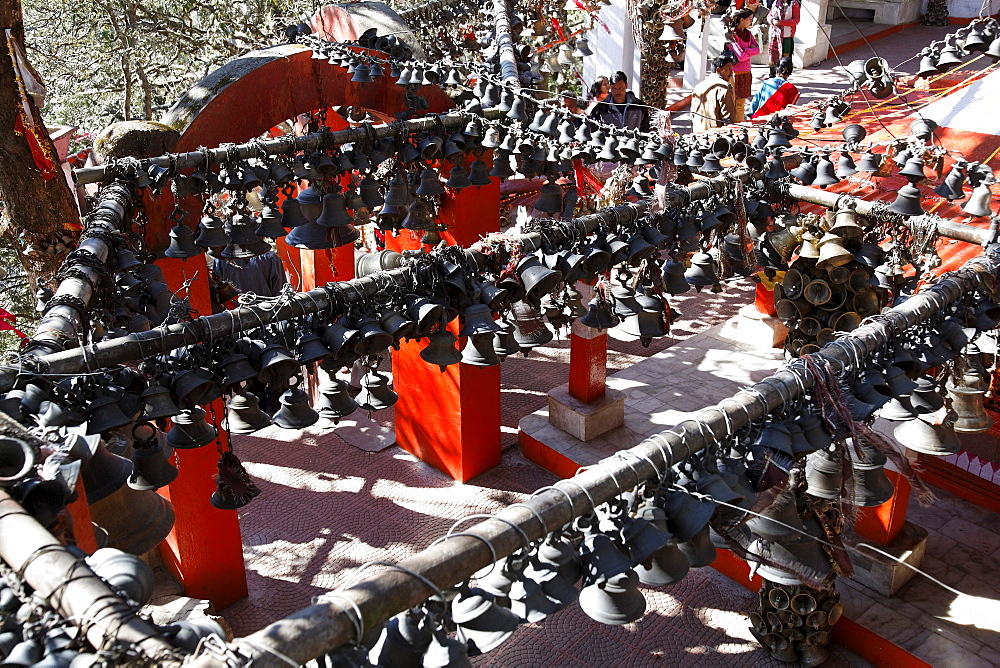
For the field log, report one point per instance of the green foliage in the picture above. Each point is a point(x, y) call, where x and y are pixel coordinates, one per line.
point(105, 61)
point(16, 296)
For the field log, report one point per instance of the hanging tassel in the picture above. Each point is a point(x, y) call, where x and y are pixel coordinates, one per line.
point(235, 487)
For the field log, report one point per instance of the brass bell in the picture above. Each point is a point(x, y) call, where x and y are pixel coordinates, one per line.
point(276, 363)
point(479, 351)
point(616, 601)
point(150, 467)
point(967, 393)
point(372, 339)
point(979, 202)
point(335, 402)
point(244, 414)
point(698, 549)
point(334, 212)
point(702, 270)
point(295, 411)
point(157, 403)
point(537, 279)
point(480, 622)
point(190, 430)
point(309, 236)
point(932, 434)
point(832, 252)
point(236, 369)
point(182, 244)
point(376, 393)
point(871, 486)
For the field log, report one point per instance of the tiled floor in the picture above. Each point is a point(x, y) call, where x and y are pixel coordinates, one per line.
point(328, 507)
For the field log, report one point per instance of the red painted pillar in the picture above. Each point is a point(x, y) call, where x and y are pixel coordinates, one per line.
point(588, 357)
point(204, 550)
point(83, 527)
point(451, 419)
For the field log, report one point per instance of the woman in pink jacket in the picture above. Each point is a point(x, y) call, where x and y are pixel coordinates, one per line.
point(744, 46)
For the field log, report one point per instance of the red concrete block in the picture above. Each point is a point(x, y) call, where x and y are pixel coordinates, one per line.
point(550, 460)
point(83, 529)
point(588, 367)
point(449, 419)
point(204, 550)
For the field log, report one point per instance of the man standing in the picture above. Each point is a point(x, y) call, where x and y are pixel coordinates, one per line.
point(712, 102)
point(623, 109)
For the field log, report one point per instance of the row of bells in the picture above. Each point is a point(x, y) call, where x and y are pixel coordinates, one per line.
point(979, 37)
point(613, 553)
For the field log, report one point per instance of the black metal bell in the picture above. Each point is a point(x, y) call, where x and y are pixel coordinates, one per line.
point(277, 365)
point(441, 349)
point(150, 467)
point(479, 351)
point(190, 430)
point(295, 411)
point(233, 489)
point(244, 414)
point(376, 393)
point(105, 473)
point(335, 402)
point(907, 202)
point(212, 232)
point(182, 245)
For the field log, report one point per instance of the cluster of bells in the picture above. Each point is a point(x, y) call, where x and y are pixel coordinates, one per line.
point(794, 622)
point(833, 283)
point(145, 299)
point(32, 634)
point(981, 36)
point(873, 73)
point(817, 169)
point(704, 155)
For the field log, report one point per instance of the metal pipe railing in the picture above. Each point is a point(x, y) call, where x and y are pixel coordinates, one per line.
point(314, 141)
point(61, 322)
point(70, 587)
point(325, 626)
point(945, 227)
point(161, 340)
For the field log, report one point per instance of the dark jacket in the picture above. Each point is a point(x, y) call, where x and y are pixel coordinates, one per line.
point(629, 115)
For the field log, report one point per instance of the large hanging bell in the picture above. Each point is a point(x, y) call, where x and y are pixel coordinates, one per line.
point(335, 401)
point(105, 473)
point(150, 467)
point(244, 414)
point(295, 411)
point(182, 243)
point(932, 434)
point(376, 393)
point(190, 430)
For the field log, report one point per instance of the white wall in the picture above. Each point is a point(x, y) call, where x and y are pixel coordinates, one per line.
point(968, 8)
point(615, 51)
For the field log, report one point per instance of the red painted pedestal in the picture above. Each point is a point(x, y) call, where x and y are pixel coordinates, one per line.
point(451, 420)
point(588, 366)
point(204, 551)
point(83, 528)
point(881, 524)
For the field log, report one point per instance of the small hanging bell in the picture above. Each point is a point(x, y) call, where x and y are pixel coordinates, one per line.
point(182, 245)
point(190, 430)
point(150, 467)
point(295, 411)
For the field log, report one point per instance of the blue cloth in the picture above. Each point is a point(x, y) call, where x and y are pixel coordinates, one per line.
point(766, 90)
point(262, 275)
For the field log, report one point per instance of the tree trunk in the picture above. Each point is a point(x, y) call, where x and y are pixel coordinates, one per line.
point(31, 203)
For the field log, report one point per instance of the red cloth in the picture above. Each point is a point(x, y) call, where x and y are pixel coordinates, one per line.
point(785, 95)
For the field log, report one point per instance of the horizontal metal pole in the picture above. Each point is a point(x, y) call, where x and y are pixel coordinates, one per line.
point(160, 340)
point(325, 626)
point(945, 228)
point(314, 141)
point(69, 585)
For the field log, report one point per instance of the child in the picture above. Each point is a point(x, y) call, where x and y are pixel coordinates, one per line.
point(744, 46)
